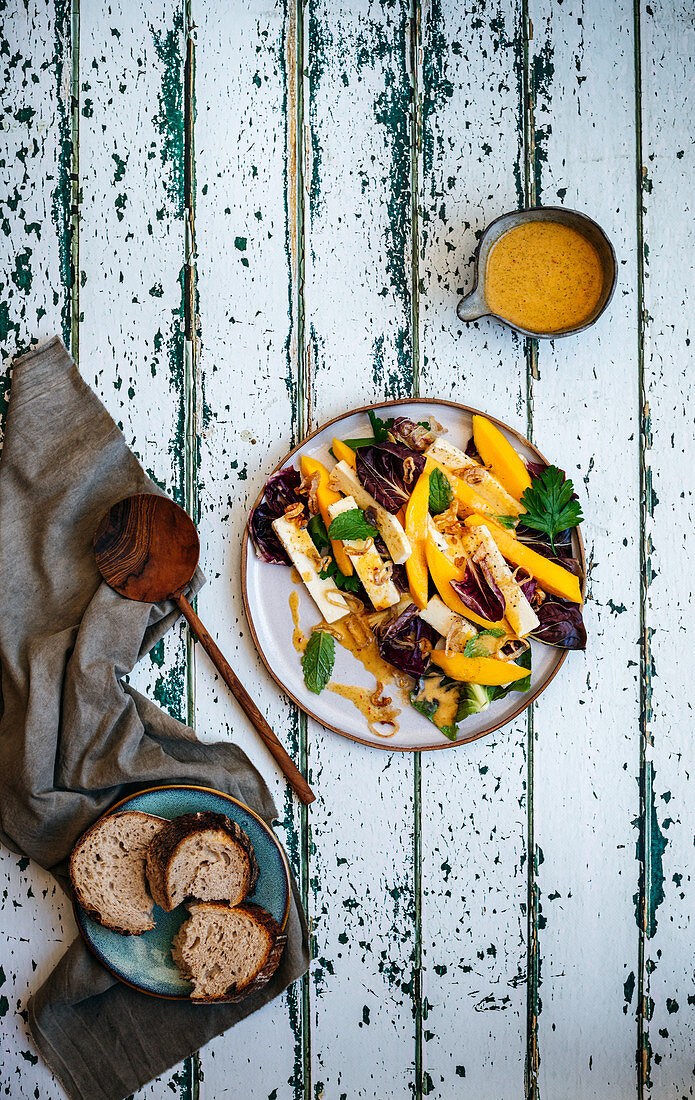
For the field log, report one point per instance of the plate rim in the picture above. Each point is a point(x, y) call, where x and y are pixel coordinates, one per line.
point(79, 912)
point(374, 405)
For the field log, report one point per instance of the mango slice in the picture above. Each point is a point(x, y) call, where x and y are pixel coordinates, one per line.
point(343, 453)
point(416, 512)
point(478, 670)
point(443, 572)
point(498, 454)
point(325, 496)
point(550, 576)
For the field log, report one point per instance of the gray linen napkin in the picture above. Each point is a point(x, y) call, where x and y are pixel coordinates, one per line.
point(74, 739)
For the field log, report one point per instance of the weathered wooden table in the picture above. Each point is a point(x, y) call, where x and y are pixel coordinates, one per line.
point(245, 218)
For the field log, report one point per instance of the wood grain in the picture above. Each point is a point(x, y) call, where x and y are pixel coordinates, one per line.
point(322, 284)
point(131, 254)
point(474, 805)
point(585, 726)
point(146, 547)
point(365, 981)
point(668, 826)
point(35, 303)
point(247, 402)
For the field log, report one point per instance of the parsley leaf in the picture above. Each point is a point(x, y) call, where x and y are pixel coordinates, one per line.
point(478, 646)
point(381, 428)
point(549, 504)
point(351, 525)
point(441, 493)
point(318, 660)
point(508, 522)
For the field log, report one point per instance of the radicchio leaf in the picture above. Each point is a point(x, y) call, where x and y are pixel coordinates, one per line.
point(536, 468)
point(399, 576)
point(389, 471)
point(480, 593)
point(280, 493)
point(472, 450)
point(411, 435)
point(513, 648)
point(536, 540)
point(399, 641)
point(526, 583)
point(560, 624)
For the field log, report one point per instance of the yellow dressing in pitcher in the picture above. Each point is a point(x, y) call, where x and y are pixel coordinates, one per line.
point(543, 276)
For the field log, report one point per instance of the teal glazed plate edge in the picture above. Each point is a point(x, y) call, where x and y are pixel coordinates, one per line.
point(144, 962)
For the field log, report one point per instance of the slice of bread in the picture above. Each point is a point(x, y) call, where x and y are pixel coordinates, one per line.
point(107, 871)
point(204, 856)
point(228, 953)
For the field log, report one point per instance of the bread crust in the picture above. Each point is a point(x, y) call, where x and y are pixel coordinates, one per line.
point(91, 912)
point(165, 844)
point(272, 961)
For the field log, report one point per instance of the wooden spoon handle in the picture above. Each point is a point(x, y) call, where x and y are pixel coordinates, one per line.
point(285, 762)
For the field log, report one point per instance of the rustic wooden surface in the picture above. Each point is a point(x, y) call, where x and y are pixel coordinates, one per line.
point(243, 219)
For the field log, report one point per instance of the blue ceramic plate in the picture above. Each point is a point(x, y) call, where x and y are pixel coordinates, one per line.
point(145, 961)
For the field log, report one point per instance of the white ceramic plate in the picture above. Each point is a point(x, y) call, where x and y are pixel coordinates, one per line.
point(267, 590)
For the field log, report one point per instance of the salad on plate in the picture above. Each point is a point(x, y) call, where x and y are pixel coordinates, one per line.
point(434, 561)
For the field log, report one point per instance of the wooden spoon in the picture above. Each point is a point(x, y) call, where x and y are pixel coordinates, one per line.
point(147, 549)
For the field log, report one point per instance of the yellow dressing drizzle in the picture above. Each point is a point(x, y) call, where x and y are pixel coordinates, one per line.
point(543, 276)
point(299, 638)
point(385, 716)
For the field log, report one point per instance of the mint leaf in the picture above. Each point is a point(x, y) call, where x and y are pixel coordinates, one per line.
point(549, 504)
point(351, 525)
point(319, 536)
point(381, 428)
point(441, 493)
point(318, 660)
point(508, 522)
point(316, 529)
point(340, 580)
point(478, 646)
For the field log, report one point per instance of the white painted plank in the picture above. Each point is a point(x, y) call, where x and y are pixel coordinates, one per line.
point(131, 258)
point(586, 755)
point(358, 318)
point(473, 797)
point(132, 252)
point(34, 220)
point(246, 420)
point(668, 159)
point(35, 917)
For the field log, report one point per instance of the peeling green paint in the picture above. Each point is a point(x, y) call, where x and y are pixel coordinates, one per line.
point(157, 654)
point(436, 87)
point(61, 198)
point(651, 845)
point(170, 116)
point(170, 688)
point(379, 46)
point(541, 80)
